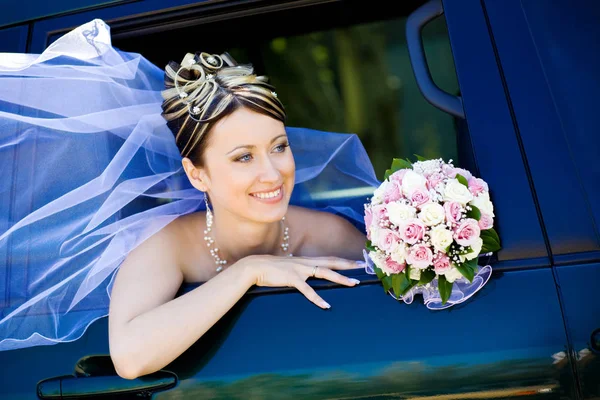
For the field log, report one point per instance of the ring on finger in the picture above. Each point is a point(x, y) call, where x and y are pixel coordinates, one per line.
point(314, 271)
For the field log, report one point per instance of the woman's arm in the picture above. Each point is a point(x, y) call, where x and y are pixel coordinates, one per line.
point(148, 328)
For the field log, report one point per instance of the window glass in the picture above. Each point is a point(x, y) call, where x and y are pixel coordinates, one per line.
point(337, 66)
point(358, 79)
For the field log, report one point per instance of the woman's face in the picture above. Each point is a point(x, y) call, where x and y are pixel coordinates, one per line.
point(249, 168)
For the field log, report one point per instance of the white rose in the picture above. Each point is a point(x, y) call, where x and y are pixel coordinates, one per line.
point(399, 254)
point(432, 214)
point(398, 212)
point(476, 247)
point(452, 274)
point(440, 237)
point(378, 193)
point(412, 181)
point(375, 232)
point(456, 191)
point(484, 204)
point(415, 273)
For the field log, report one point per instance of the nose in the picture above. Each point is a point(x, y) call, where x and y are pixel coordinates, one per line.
point(269, 171)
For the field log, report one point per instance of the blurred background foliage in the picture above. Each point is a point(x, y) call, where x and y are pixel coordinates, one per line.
point(358, 79)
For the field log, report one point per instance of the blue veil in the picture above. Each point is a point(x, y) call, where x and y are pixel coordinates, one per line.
point(90, 170)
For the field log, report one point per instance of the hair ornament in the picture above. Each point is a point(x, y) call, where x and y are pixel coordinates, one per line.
point(211, 61)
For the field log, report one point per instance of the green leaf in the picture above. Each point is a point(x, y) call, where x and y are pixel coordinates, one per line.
point(462, 180)
point(401, 284)
point(472, 264)
point(492, 233)
point(387, 283)
point(398, 164)
point(491, 242)
point(420, 158)
point(369, 246)
point(489, 247)
point(467, 269)
point(445, 288)
point(379, 272)
point(474, 213)
point(427, 276)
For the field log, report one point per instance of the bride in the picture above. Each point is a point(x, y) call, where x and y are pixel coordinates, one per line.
point(229, 127)
point(198, 180)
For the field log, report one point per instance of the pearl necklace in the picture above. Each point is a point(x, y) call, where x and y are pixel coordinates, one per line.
point(214, 252)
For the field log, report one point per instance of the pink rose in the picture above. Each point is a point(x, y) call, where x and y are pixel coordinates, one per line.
point(486, 221)
point(453, 211)
point(398, 176)
point(392, 192)
point(388, 240)
point(379, 213)
point(434, 179)
point(368, 220)
point(460, 171)
point(467, 232)
point(394, 266)
point(441, 263)
point(419, 197)
point(477, 185)
point(419, 256)
point(412, 230)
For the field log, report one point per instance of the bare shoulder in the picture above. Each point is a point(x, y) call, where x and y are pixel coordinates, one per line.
point(325, 234)
point(149, 277)
point(159, 243)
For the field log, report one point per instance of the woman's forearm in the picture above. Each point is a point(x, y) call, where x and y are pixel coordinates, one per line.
point(152, 340)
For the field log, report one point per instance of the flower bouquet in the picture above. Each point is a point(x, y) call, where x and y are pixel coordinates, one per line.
point(427, 224)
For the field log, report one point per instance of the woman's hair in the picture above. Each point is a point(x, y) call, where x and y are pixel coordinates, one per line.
point(205, 88)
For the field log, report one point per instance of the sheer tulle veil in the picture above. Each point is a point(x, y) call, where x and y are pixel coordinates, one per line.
point(90, 170)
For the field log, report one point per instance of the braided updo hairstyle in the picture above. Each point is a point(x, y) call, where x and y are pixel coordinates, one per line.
point(205, 88)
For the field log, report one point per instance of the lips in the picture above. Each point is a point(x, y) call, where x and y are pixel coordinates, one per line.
point(266, 195)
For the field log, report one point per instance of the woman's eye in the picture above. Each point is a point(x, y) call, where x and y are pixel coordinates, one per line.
point(248, 157)
point(244, 158)
point(281, 147)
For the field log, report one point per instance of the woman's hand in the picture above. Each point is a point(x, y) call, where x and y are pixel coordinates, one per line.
point(277, 271)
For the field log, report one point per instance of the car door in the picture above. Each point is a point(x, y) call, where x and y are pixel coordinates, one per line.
point(347, 68)
point(552, 50)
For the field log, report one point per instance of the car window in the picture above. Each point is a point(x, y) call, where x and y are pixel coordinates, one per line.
point(358, 79)
point(338, 67)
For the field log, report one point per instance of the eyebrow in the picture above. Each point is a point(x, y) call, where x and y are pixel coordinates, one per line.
point(251, 146)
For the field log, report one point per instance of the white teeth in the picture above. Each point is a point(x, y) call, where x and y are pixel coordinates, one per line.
point(268, 195)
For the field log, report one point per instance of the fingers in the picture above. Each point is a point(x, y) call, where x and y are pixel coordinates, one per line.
point(325, 273)
point(311, 295)
point(329, 262)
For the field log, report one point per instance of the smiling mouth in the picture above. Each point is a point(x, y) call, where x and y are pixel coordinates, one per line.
point(268, 195)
